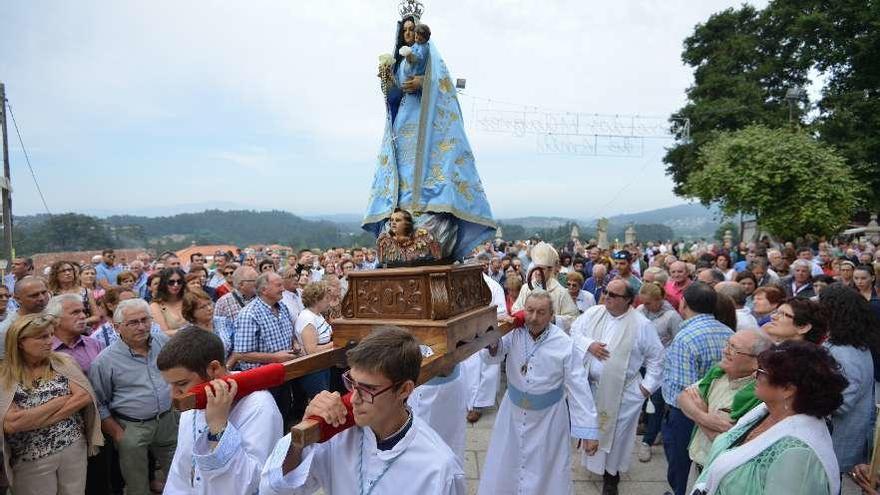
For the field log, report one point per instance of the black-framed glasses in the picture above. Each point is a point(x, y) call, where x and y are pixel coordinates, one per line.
point(228, 274)
point(145, 321)
point(734, 350)
point(366, 394)
point(781, 314)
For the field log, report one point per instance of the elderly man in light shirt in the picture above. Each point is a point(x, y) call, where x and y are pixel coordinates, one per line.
point(725, 393)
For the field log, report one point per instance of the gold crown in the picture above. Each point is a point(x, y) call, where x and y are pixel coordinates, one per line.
point(413, 8)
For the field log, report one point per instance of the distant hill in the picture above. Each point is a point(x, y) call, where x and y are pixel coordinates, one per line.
point(242, 227)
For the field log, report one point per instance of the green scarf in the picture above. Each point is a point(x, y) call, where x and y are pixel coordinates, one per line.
point(743, 401)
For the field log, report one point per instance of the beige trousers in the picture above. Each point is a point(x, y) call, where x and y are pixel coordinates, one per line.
point(62, 473)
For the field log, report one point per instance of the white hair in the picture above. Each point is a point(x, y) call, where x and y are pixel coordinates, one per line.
point(56, 304)
point(801, 263)
point(762, 340)
point(129, 305)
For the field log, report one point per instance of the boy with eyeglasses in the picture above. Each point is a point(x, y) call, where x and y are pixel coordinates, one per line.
point(388, 450)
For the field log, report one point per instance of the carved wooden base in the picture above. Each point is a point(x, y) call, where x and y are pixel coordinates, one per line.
point(445, 307)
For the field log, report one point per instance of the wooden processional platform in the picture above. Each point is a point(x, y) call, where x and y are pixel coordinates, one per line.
point(446, 307)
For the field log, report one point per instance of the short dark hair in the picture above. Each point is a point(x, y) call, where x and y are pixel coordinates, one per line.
point(192, 348)
point(194, 255)
point(746, 274)
point(807, 312)
point(265, 262)
point(390, 351)
point(107, 251)
point(812, 370)
point(701, 298)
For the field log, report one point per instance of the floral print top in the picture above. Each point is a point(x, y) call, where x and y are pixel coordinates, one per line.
point(42, 442)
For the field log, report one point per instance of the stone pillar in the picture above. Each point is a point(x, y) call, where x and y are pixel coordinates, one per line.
point(629, 236)
point(602, 233)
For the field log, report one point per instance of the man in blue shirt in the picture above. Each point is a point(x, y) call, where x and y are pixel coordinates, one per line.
point(264, 334)
point(107, 270)
point(697, 346)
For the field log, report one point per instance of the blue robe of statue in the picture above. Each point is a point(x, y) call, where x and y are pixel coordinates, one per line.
point(425, 165)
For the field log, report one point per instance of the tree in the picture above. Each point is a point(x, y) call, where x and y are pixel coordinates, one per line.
point(744, 62)
point(793, 184)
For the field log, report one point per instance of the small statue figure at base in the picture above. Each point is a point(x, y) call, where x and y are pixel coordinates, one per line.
point(403, 245)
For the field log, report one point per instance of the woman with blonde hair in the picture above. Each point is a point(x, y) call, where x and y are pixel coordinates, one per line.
point(49, 413)
point(314, 333)
point(666, 321)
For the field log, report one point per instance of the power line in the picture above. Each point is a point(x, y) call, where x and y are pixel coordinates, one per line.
point(27, 158)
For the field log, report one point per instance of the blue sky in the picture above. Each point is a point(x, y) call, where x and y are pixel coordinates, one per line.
point(275, 104)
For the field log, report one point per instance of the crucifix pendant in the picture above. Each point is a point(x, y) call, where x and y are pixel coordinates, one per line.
point(524, 368)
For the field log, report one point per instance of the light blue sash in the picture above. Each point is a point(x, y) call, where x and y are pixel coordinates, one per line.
point(534, 402)
point(440, 380)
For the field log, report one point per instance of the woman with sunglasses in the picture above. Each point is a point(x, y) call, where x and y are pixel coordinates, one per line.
point(225, 287)
point(167, 306)
point(49, 413)
point(64, 279)
point(853, 338)
point(782, 445)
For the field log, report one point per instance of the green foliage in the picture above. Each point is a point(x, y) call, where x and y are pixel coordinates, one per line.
point(792, 183)
point(240, 227)
point(65, 232)
point(746, 59)
point(743, 65)
point(724, 227)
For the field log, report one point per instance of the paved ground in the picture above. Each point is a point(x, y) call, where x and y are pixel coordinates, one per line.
point(642, 478)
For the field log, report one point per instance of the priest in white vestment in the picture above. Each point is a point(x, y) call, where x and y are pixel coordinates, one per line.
point(617, 341)
point(542, 275)
point(548, 402)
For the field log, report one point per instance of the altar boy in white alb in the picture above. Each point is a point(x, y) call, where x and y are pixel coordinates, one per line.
point(547, 403)
point(616, 341)
point(222, 449)
point(390, 450)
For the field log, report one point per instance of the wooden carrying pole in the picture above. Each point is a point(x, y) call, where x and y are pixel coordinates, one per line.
point(308, 431)
point(292, 369)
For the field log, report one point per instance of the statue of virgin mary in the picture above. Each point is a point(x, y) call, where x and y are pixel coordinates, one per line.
point(425, 165)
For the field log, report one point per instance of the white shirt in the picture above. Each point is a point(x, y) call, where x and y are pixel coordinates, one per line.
point(585, 300)
point(420, 463)
point(497, 296)
point(293, 301)
point(322, 328)
point(744, 319)
point(234, 466)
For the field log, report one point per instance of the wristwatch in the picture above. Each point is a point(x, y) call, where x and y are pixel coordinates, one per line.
point(215, 438)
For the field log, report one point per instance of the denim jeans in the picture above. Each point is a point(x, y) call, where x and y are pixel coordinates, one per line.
point(677, 429)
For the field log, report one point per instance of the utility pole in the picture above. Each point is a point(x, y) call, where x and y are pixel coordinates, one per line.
point(6, 182)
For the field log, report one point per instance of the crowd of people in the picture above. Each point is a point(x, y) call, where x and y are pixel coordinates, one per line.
point(755, 363)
